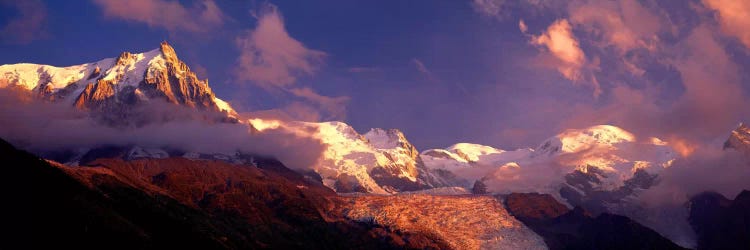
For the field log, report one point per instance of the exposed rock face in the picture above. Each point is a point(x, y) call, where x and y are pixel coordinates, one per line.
point(95, 95)
point(582, 188)
point(164, 77)
point(394, 144)
point(534, 206)
point(176, 83)
point(562, 228)
point(380, 161)
point(739, 139)
point(113, 89)
point(721, 223)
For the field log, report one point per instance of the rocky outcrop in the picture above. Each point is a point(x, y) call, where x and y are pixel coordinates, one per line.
point(403, 169)
point(177, 83)
point(95, 95)
point(739, 139)
point(582, 188)
point(115, 89)
point(534, 206)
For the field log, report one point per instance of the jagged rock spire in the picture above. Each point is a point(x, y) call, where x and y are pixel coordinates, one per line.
point(739, 139)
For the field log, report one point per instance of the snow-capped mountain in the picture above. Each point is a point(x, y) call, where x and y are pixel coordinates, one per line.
point(580, 161)
point(113, 84)
point(739, 139)
point(611, 150)
point(463, 155)
point(380, 161)
point(607, 155)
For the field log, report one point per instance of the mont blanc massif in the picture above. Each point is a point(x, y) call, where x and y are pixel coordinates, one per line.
point(152, 158)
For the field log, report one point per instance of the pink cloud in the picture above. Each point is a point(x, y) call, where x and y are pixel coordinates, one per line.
point(493, 8)
point(420, 66)
point(711, 105)
point(269, 57)
point(734, 17)
point(713, 94)
point(562, 44)
point(626, 25)
point(170, 15)
point(273, 60)
point(29, 25)
point(334, 107)
point(522, 26)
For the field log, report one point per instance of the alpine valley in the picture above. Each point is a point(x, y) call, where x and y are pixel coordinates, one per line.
point(153, 159)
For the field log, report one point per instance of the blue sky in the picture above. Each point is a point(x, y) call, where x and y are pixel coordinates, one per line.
point(441, 71)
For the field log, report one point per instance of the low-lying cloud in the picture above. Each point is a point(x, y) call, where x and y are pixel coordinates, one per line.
point(41, 126)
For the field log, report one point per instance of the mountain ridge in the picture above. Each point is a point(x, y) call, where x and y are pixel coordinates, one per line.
point(124, 80)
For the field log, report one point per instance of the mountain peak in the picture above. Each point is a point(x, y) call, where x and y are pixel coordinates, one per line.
point(575, 140)
point(742, 127)
point(391, 138)
point(113, 83)
point(167, 51)
point(739, 139)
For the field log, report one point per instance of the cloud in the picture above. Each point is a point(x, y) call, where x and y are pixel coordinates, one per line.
point(561, 42)
point(570, 61)
point(713, 92)
point(203, 16)
point(200, 70)
point(625, 25)
point(664, 69)
point(725, 172)
point(269, 57)
point(710, 99)
point(29, 25)
point(502, 9)
point(273, 60)
point(492, 8)
point(41, 126)
point(628, 28)
point(734, 17)
point(334, 107)
point(522, 26)
point(420, 66)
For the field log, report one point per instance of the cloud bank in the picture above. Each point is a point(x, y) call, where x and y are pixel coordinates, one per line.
point(657, 69)
point(734, 17)
point(41, 126)
point(173, 16)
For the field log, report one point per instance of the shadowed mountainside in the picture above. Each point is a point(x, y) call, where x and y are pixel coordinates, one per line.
point(721, 223)
point(179, 203)
point(562, 228)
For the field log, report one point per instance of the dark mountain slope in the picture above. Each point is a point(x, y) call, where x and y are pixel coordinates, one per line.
point(177, 203)
point(53, 209)
point(721, 223)
point(562, 228)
